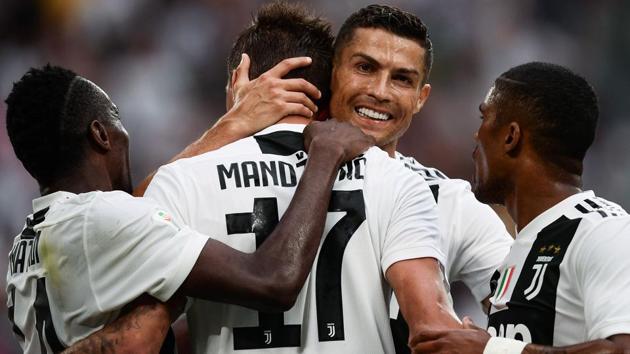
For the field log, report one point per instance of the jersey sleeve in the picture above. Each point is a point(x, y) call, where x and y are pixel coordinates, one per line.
point(412, 229)
point(168, 190)
point(479, 243)
point(602, 266)
point(133, 247)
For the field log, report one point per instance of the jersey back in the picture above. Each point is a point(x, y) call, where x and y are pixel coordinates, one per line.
point(379, 214)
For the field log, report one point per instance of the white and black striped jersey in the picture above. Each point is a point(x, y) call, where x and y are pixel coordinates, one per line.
point(566, 279)
point(81, 257)
point(473, 237)
point(379, 213)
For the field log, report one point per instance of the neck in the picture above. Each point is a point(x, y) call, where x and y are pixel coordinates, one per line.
point(538, 189)
point(86, 178)
point(389, 148)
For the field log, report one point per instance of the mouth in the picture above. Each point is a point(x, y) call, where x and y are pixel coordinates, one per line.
point(372, 114)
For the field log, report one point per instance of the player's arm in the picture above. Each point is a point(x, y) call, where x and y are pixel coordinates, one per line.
point(257, 104)
point(141, 328)
point(476, 340)
point(270, 278)
point(419, 287)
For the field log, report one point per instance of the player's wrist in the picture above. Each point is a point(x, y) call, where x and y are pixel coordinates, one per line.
point(500, 345)
point(326, 151)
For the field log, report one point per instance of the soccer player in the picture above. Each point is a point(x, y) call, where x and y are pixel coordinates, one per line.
point(381, 231)
point(564, 285)
point(382, 61)
point(89, 248)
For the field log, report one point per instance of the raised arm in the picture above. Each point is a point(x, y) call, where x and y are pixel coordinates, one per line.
point(257, 104)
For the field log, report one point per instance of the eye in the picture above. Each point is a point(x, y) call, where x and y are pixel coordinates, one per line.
point(404, 79)
point(364, 67)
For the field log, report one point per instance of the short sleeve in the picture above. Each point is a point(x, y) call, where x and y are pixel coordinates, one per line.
point(167, 189)
point(481, 244)
point(602, 266)
point(405, 198)
point(133, 246)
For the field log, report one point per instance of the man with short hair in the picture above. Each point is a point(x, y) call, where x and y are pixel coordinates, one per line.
point(89, 248)
point(381, 231)
point(563, 286)
point(383, 57)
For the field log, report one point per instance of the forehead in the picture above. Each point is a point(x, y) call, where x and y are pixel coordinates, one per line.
point(382, 44)
point(490, 101)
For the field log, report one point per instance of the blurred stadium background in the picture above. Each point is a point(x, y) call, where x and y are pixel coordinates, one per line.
point(163, 63)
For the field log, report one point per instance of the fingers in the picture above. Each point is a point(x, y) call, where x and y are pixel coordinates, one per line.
point(285, 66)
point(241, 73)
point(468, 323)
point(297, 109)
point(299, 97)
point(301, 85)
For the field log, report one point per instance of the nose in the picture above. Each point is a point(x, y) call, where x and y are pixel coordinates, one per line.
point(380, 87)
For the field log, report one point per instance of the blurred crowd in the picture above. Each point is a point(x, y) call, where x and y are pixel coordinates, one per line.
point(163, 63)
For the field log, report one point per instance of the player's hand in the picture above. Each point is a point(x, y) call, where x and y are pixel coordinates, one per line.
point(339, 137)
point(265, 100)
point(469, 340)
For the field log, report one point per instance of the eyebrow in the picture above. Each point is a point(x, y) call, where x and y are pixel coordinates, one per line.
point(371, 60)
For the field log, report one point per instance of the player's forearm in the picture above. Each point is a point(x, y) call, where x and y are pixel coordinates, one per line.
point(600, 346)
point(419, 288)
point(141, 330)
point(287, 257)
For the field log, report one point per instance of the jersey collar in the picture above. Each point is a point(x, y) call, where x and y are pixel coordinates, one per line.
point(553, 213)
point(46, 200)
point(296, 127)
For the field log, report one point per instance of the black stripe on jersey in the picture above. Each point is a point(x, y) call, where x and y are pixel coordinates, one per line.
point(593, 204)
point(11, 313)
point(38, 217)
point(435, 189)
point(169, 344)
point(532, 305)
point(44, 324)
point(400, 334)
point(283, 143)
point(581, 209)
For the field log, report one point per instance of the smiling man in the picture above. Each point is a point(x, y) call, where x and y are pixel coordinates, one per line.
point(383, 57)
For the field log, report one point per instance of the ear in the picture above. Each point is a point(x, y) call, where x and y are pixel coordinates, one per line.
point(512, 138)
point(422, 97)
point(99, 137)
point(229, 91)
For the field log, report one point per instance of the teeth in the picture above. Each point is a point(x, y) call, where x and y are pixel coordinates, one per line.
point(366, 112)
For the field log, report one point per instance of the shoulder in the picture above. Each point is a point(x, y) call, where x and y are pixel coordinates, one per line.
point(430, 174)
point(118, 206)
point(604, 228)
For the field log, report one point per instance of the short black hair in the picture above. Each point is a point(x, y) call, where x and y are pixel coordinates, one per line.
point(390, 19)
point(280, 31)
point(559, 106)
point(48, 114)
